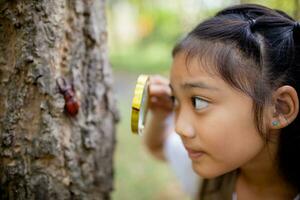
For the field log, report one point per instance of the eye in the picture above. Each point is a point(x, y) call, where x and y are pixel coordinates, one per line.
point(175, 102)
point(199, 103)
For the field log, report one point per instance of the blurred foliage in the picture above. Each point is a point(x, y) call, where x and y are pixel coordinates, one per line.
point(166, 26)
point(158, 30)
point(289, 6)
point(138, 176)
point(152, 58)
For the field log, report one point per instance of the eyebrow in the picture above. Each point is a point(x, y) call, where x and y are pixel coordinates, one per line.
point(199, 84)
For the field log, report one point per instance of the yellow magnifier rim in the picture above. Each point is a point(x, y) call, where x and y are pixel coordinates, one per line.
point(139, 105)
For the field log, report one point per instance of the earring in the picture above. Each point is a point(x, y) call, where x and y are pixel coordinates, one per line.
point(275, 123)
point(287, 121)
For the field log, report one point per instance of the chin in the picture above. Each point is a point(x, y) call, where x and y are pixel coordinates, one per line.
point(207, 173)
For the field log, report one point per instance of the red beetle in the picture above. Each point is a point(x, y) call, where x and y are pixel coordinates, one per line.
point(71, 103)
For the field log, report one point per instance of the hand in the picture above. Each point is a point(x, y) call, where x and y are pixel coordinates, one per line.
point(160, 95)
point(159, 124)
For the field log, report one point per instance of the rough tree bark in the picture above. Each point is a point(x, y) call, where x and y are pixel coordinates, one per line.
point(44, 153)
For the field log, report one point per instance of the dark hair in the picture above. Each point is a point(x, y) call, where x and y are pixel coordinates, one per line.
point(256, 50)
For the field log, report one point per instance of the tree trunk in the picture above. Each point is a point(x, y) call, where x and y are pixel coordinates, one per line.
point(44, 152)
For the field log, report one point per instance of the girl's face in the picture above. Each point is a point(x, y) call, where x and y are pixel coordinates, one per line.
point(214, 120)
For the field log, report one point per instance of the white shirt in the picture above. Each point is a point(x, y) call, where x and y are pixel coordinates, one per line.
point(181, 164)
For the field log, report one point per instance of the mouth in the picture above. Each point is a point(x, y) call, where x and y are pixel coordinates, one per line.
point(194, 154)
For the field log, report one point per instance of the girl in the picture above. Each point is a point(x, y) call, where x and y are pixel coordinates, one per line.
point(234, 83)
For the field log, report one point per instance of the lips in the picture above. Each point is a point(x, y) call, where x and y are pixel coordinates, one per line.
point(193, 154)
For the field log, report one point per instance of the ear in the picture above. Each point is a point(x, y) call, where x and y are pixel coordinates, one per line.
point(285, 107)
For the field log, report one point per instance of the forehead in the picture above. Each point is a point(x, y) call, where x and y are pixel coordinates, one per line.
point(184, 72)
point(185, 77)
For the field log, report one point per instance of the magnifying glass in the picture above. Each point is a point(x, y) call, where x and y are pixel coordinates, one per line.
point(139, 105)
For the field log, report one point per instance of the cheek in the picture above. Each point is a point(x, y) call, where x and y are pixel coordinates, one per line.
point(225, 126)
point(230, 139)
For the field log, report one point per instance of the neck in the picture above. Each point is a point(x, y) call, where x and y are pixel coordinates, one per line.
point(260, 176)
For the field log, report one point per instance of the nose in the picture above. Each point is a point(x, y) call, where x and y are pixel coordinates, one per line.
point(184, 125)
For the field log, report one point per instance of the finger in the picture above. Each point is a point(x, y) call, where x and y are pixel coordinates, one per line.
point(159, 105)
point(161, 102)
point(165, 100)
point(159, 79)
point(160, 90)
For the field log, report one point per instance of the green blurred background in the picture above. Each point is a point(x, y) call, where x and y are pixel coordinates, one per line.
point(141, 36)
